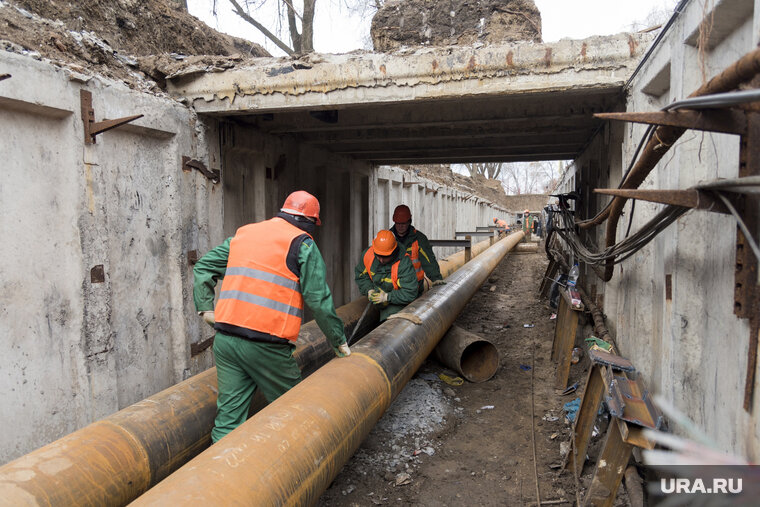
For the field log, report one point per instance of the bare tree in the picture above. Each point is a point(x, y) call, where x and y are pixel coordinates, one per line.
point(302, 42)
point(490, 170)
point(529, 177)
point(300, 23)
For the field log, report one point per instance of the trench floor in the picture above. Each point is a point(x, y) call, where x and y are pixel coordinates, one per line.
point(442, 445)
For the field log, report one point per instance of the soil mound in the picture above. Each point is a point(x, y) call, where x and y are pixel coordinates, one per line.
point(402, 23)
point(111, 36)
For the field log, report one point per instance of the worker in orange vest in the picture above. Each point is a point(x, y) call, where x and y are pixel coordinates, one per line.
point(501, 224)
point(416, 245)
point(269, 270)
point(386, 276)
point(527, 222)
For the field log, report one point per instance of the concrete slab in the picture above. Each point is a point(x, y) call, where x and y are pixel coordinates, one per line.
point(517, 101)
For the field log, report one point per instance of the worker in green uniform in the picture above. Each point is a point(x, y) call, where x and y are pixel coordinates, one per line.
point(386, 276)
point(269, 270)
point(417, 247)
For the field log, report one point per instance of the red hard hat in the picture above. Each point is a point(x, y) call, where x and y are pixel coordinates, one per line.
point(402, 214)
point(303, 204)
point(384, 243)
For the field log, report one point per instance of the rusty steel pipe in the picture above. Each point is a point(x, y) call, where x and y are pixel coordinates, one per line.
point(456, 260)
point(472, 356)
point(290, 451)
point(114, 460)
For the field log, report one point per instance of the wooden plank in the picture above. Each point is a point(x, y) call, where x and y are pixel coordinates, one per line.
point(565, 351)
point(549, 276)
point(585, 419)
point(559, 325)
point(564, 332)
point(609, 469)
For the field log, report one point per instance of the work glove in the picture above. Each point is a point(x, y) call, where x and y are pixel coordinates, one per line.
point(342, 350)
point(378, 296)
point(438, 282)
point(208, 318)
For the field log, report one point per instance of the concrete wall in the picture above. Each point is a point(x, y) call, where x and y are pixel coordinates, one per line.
point(688, 344)
point(76, 349)
point(437, 211)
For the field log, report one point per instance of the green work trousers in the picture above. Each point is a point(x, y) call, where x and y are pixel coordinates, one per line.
point(241, 367)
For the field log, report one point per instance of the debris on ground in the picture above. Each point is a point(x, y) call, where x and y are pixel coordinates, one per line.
point(486, 458)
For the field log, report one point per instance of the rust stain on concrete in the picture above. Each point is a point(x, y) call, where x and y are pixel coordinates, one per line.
point(435, 65)
point(584, 48)
point(382, 69)
point(510, 59)
point(632, 46)
point(548, 57)
point(472, 63)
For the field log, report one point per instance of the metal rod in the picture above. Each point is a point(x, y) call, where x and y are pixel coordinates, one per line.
point(715, 100)
point(290, 451)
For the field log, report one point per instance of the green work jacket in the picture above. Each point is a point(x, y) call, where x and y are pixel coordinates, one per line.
point(316, 294)
point(427, 257)
point(381, 279)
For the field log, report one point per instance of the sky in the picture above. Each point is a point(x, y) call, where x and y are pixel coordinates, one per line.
point(338, 29)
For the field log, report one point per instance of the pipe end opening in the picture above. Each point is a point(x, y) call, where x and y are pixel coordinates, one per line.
point(479, 361)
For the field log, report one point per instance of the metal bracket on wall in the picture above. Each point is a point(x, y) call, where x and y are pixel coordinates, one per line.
point(93, 128)
point(188, 164)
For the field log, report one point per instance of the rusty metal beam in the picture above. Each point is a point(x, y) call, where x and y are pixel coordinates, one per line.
point(727, 121)
point(690, 198)
point(288, 453)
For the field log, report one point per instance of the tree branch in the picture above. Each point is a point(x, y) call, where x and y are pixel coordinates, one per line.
point(240, 12)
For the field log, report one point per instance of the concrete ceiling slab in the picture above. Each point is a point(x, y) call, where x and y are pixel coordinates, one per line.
point(518, 101)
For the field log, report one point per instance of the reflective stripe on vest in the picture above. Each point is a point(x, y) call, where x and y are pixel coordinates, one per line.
point(369, 257)
point(414, 253)
point(259, 292)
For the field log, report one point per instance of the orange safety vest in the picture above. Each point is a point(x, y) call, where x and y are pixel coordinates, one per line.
point(369, 257)
point(414, 254)
point(259, 291)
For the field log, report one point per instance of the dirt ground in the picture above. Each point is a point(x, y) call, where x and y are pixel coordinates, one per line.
point(442, 445)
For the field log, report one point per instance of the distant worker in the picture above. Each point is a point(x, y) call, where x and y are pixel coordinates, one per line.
point(386, 276)
point(501, 224)
point(270, 270)
point(527, 222)
point(416, 246)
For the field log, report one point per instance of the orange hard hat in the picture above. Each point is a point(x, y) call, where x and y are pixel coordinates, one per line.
point(303, 204)
point(526, 212)
point(402, 214)
point(384, 243)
